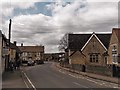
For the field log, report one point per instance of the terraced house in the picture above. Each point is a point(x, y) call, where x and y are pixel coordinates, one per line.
point(31, 52)
point(3, 52)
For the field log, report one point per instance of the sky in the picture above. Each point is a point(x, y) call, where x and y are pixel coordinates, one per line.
point(45, 22)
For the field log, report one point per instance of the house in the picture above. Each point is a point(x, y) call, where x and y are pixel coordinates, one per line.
point(114, 47)
point(96, 52)
point(96, 49)
point(73, 56)
point(75, 44)
point(82, 48)
point(3, 52)
point(14, 52)
point(89, 52)
point(31, 52)
point(1, 63)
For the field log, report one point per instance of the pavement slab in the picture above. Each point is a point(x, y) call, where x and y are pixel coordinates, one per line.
point(12, 80)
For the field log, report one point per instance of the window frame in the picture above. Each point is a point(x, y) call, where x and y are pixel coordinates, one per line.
point(94, 57)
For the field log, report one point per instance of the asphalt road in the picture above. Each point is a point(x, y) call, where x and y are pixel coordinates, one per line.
point(49, 76)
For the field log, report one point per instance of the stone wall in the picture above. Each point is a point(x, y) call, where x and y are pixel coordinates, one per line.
point(102, 70)
point(78, 67)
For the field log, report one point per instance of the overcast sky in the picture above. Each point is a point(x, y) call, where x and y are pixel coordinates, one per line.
point(44, 22)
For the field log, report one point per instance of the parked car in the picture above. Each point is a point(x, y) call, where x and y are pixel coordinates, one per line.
point(39, 61)
point(24, 62)
point(31, 63)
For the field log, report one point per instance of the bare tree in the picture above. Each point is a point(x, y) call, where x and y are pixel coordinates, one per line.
point(63, 44)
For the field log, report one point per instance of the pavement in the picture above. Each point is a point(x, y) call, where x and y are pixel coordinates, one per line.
point(95, 76)
point(12, 80)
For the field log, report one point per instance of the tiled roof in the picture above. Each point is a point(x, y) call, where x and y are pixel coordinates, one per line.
point(105, 39)
point(77, 41)
point(13, 46)
point(31, 48)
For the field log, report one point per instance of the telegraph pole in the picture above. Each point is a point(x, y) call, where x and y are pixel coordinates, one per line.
point(10, 32)
point(9, 43)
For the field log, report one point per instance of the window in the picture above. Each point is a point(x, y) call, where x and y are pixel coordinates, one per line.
point(94, 58)
point(114, 54)
point(90, 58)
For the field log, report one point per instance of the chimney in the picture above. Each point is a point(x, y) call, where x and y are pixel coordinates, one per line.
point(15, 43)
point(21, 44)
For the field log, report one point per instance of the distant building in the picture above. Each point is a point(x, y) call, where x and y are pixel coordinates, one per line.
point(54, 57)
point(32, 52)
point(48, 56)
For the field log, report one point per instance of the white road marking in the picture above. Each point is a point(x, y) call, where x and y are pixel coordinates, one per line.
point(99, 82)
point(92, 81)
point(71, 75)
point(29, 81)
point(80, 85)
point(115, 87)
point(25, 82)
point(61, 71)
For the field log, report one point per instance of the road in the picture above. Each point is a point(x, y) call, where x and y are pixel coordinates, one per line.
point(49, 76)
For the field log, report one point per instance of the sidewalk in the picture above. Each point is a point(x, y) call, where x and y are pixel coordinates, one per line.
point(95, 76)
point(13, 80)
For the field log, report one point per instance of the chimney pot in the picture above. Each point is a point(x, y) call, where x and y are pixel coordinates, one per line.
point(21, 44)
point(15, 43)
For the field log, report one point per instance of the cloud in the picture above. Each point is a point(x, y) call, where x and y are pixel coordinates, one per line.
point(75, 17)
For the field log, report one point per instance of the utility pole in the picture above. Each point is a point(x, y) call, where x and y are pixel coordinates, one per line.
point(9, 44)
point(9, 32)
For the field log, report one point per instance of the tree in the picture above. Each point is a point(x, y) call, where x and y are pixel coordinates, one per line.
point(63, 43)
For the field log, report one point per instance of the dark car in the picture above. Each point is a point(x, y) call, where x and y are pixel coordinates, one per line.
point(39, 61)
point(31, 63)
